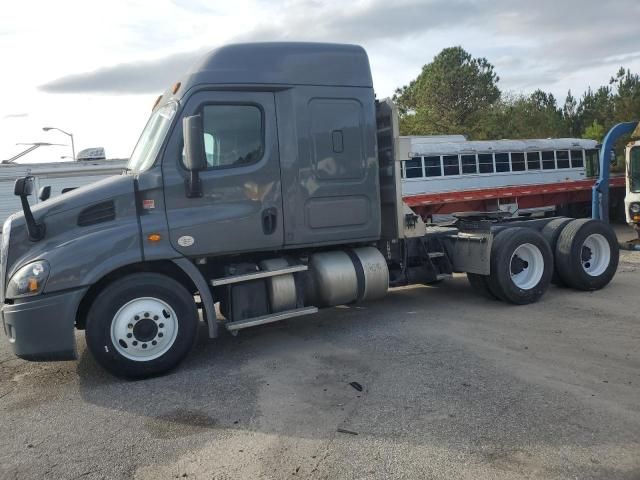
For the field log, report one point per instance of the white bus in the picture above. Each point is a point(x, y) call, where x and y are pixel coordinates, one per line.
point(519, 176)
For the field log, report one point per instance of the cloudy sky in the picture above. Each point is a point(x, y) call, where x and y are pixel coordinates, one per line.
point(94, 68)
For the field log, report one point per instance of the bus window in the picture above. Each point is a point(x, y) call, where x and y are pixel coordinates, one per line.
point(502, 162)
point(548, 161)
point(593, 163)
point(469, 164)
point(634, 170)
point(485, 161)
point(432, 166)
point(517, 162)
point(576, 159)
point(413, 168)
point(562, 157)
point(533, 160)
point(451, 166)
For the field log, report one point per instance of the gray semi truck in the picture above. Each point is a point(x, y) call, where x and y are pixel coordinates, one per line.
point(266, 181)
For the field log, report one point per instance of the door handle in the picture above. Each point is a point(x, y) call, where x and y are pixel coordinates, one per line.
point(269, 220)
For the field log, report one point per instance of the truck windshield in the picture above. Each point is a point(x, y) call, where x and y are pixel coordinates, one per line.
point(634, 170)
point(144, 155)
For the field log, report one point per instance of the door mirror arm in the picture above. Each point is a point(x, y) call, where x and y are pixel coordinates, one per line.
point(195, 158)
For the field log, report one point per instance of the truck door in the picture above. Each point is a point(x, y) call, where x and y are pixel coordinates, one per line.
point(241, 204)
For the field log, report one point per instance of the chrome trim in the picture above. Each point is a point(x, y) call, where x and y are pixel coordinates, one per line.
point(4, 253)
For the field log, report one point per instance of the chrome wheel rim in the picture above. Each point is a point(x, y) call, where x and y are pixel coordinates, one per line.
point(526, 266)
point(595, 255)
point(144, 329)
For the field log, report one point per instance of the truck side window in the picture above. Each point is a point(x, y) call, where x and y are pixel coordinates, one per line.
point(233, 135)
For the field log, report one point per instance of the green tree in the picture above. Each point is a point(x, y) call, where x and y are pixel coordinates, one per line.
point(626, 100)
point(521, 116)
point(452, 94)
point(570, 115)
point(595, 131)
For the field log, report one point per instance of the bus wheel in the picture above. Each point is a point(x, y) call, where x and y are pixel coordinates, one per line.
point(480, 284)
point(521, 265)
point(587, 254)
point(142, 325)
point(551, 232)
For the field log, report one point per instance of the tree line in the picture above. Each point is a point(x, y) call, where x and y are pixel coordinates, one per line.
point(459, 94)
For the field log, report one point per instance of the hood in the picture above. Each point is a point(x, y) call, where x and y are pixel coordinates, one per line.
point(61, 214)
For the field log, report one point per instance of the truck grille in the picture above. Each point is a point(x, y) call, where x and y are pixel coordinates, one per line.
point(98, 213)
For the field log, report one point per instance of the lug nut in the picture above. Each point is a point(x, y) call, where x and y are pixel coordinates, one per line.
point(154, 342)
point(129, 335)
point(137, 317)
point(161, 325)
point(160, 334)
point(155, 317)
point(130, 326)
point(144, 345)
point(146, 314)
point(134, 343)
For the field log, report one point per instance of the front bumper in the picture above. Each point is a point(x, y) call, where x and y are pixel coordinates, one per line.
point(42, 328)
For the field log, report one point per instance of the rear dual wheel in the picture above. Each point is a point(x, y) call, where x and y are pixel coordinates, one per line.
point(521, 267)
point(587, 254)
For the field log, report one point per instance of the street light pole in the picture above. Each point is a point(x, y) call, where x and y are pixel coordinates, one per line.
point(73, 147)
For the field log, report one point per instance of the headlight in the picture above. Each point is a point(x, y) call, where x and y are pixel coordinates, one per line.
point(634, 208)
point(29, 280)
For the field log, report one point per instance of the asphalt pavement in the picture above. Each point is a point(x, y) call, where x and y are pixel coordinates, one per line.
point(453, 386)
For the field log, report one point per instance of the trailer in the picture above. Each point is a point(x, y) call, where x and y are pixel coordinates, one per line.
point(59, 176)
point(267, 181)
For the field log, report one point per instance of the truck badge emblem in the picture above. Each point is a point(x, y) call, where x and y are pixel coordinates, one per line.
point(148, 204)
point(186, 241)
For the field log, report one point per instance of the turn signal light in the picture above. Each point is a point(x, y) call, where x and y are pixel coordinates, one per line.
point(176, 87)
point(156, 103)
point(154, 237)
point(636, 218)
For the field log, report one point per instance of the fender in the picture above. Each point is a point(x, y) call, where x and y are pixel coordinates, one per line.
point(205, 293)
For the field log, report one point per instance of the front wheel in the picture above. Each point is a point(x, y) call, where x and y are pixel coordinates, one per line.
point(141, 325)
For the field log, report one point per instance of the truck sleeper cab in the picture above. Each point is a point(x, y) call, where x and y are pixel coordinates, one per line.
point(267, 180)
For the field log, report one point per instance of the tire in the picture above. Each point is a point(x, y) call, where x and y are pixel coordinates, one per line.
point(142, 325)
point(551, 233)
point(480, 283)
point(521, 266)
point(587, 254)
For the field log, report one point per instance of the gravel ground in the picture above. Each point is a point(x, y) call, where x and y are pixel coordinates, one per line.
point(453, 386)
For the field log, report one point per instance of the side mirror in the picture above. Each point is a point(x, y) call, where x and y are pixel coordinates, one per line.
point(194, 153)
point(195, 158)
point(44, 193)
point(23, 186)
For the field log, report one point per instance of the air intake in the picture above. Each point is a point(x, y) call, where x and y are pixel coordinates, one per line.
point(99, 213)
